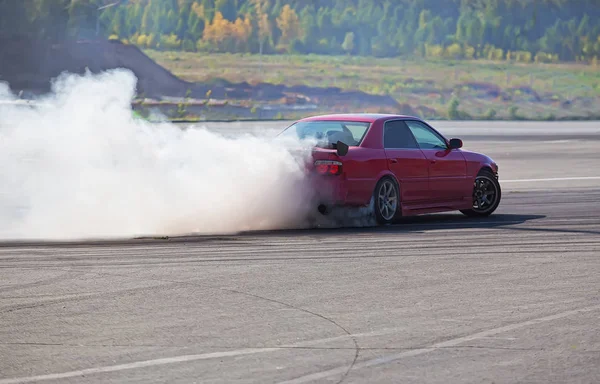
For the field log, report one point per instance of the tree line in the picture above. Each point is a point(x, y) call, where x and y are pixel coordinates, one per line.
point(521, 30)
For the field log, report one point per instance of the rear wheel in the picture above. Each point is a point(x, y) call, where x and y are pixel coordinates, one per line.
point(486, 195)
point(386, 201)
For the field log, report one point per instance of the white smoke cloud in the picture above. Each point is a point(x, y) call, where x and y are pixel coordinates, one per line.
point(5, 93)
point(80, 166)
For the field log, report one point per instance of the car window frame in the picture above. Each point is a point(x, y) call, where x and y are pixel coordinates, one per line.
point(432, 130)
point(409, 131)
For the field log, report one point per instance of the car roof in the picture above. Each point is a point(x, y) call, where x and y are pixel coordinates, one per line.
point(360, 117)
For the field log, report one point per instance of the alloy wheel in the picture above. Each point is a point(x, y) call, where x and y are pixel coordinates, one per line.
point(485, 194)
point(387, 200)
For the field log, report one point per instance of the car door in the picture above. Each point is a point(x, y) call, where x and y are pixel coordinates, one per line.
point(406, 161)
point(447, 168)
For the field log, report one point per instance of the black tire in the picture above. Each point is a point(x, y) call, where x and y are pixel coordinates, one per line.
point(386, 201)
point(486, 184)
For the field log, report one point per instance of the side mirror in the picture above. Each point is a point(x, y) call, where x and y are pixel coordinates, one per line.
point(456, 143)
point(342, 148)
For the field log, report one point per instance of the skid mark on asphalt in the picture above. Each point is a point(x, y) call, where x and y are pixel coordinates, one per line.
point(341, 251)
point(551, 179)
point(237, 292)
point(40, 283)
point(356, 346)
point(354, 254)
point(314, 376)
point(445, 344)
point(185, 358)
point(76, 298)
point(419, 225)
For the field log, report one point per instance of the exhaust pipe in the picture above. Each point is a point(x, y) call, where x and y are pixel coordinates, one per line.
point(322, 209)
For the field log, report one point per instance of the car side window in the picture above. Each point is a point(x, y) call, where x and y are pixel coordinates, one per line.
point(426, 138)
point(396, 135)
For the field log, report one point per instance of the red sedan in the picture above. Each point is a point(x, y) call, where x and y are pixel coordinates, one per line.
point(400, 163)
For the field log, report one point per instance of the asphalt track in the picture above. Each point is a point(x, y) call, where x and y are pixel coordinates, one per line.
point(435, 299)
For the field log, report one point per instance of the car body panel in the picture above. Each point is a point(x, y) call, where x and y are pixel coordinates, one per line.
point(477, 161)
point(448, 178)
point(363, 170)
point(411, 169)
point(430, 179)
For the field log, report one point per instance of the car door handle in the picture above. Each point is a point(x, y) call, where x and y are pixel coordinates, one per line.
point(393, 160)
point(433, 161)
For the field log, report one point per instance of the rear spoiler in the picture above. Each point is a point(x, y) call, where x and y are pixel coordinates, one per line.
point(342, 148)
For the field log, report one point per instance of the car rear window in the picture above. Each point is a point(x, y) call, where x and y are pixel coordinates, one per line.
point(328, 132)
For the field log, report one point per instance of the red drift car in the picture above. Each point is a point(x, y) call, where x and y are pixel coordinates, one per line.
point(401, 162)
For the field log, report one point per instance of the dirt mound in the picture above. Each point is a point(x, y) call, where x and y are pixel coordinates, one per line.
point(30, 65)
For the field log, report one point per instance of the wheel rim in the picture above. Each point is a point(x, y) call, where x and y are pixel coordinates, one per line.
point(387, 200)
point(485, 194)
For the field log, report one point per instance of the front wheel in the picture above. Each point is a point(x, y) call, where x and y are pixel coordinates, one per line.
point(386, 201)
point(486, 195)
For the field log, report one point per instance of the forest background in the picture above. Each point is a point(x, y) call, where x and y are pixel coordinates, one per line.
point(443, 58)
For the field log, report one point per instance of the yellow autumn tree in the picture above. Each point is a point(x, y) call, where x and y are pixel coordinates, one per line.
point(217, 32)
point(242, 30)
point(225, 36)
point(288, 23)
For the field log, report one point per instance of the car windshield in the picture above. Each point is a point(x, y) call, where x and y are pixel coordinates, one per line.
point(327, 133)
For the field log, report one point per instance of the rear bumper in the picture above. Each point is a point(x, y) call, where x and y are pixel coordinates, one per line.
point(329, 190)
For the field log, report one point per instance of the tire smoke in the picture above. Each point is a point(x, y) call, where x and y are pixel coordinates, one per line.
point(80, 166)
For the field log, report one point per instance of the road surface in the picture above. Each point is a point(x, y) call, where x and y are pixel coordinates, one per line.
point(435, 299)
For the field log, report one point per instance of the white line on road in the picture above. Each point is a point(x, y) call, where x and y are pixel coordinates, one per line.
point(138, 364)
point(314, 376)
point(551, 179)
point(445, 344)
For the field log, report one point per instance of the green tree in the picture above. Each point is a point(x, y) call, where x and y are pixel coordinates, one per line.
point(566, 29)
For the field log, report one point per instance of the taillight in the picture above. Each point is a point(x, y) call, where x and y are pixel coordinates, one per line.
point(328, 167)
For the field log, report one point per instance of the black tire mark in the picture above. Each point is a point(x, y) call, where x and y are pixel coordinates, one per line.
point(356, 346)
point(415, 224)
point(74, 298)
point(446, 254)
point(401, 246)
point(40, 283)
point(177, 282)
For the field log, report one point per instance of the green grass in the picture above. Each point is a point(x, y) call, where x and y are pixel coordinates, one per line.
point(415, 82)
